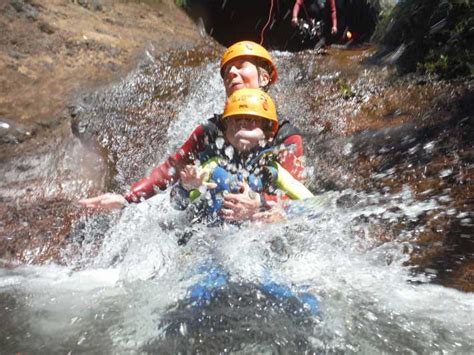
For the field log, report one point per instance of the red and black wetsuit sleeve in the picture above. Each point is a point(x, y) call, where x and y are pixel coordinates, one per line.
point(291, 156)
point(168, 172)
point(291, 159)
point(332, 4)
point(296, 8)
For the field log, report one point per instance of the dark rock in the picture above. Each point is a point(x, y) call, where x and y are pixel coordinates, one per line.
point(29, 10)
point(17, 5)
point(113, 67)
point(46, 28)
point(17, 55)
point(23, 168)
point(12, 133)
point(83, 3)
point(267, 317)
point(347, 201)
point(94, 5)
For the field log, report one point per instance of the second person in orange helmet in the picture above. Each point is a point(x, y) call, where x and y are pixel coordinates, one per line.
point(244, 65)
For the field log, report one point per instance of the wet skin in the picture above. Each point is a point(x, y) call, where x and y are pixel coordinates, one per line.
point(240, 73)
point(244, 133)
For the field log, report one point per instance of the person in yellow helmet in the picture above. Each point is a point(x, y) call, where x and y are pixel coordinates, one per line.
point(243, 58)
point(243, 161)
point(249, 124)
point(245, 64)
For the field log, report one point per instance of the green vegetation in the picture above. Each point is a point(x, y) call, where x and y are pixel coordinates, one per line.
point(438, 35)
point(345, 89)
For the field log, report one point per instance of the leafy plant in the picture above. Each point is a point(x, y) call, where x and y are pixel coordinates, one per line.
point(438, 36)
point(181, 3)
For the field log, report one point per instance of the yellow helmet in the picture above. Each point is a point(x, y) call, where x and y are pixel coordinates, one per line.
point(251, 49)
point(251, 102)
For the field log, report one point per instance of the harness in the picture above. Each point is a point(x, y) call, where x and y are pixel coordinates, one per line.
point(227, 168)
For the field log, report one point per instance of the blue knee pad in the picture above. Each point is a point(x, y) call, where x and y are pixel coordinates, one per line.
point(283, 292)
point(205, 290)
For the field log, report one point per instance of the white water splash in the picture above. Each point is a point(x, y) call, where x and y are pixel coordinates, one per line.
point(370, 302)
point(207, 97)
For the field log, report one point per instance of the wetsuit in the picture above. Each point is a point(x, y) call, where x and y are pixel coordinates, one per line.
point(313, 9)
point(227, 168)
point(208, 142)
point(202, 138)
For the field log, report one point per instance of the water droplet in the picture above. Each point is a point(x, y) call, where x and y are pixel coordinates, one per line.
point(229, 152)
point(183, 329)
point(347, 149)
point(220, 142)
point(445, 173)
point(429, 146)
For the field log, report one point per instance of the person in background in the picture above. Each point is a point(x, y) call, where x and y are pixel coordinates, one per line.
point(244, 65)
point(314, 10)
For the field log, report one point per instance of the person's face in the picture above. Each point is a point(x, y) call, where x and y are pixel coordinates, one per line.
point(240, 73)
point(245, 133)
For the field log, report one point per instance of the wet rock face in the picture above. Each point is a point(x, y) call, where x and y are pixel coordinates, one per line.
point(111, 138)
point(12, 132)
point(50, 51)
point(382, 134)
point(432, 156)
point(33, 233)
point(131, 120)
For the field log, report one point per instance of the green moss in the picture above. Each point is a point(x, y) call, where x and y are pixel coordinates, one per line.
point(345, 89)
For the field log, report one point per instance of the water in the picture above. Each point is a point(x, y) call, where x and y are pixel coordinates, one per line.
point(125, 283)
point(369, 301)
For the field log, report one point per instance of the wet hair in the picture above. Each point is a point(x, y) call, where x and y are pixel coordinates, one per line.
point(264, 68)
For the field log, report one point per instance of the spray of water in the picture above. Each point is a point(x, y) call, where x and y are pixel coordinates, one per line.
point(128, 284)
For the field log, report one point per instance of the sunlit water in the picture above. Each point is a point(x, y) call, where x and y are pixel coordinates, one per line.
point(124, 292)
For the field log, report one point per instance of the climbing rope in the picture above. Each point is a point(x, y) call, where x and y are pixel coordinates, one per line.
point(268, 21)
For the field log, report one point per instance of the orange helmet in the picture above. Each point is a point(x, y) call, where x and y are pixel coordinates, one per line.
point(251, 102)
point(251, 49)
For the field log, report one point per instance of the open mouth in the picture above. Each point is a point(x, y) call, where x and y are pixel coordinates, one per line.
point(246, 134)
